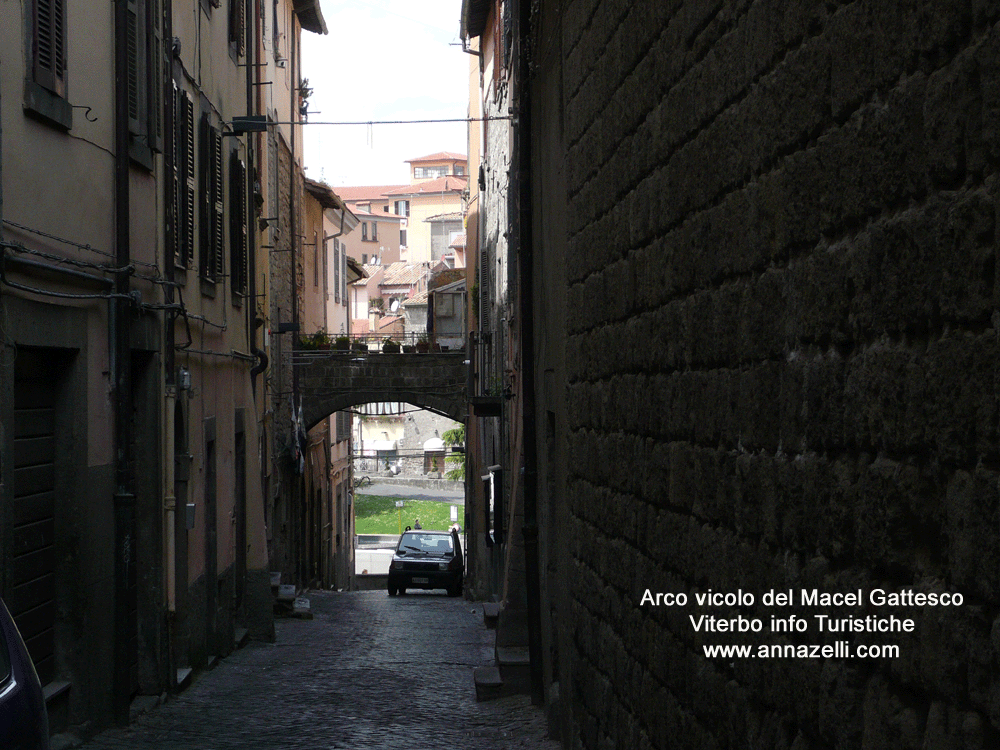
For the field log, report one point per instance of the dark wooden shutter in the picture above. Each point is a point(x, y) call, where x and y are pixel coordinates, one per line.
point(217, 268)
point(174, 210)
point(237, 25)
point(156, 80)
point(49, 45)
point(237, 224)
point(190, 182)
point(135, 71)
point(184, 166)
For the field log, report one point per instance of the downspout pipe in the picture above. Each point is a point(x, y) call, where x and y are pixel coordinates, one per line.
point(124, 500)
point(526, 304)
point(252, 70)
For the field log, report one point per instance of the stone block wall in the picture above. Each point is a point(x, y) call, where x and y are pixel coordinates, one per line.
point(782, 364)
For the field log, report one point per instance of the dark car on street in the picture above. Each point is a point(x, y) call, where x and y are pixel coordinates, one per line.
point(427, 560)
point(24, 723)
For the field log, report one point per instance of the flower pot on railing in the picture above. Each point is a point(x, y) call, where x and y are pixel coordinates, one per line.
point(423, 345)
point(390, 347)
point(409, 348)
point(342, 343)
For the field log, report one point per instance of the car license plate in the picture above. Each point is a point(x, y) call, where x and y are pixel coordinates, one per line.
point(421, 580)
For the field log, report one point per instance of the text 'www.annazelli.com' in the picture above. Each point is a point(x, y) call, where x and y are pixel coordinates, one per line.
point(837, 650)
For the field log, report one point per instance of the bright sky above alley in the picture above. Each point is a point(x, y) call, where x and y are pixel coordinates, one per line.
point(383, 60)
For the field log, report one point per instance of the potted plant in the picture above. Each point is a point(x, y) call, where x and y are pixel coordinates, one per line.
point(320, 340)
point(389, 346)
point(342, 343)
point(359, 346)
point(423, 345)
point(409, 348)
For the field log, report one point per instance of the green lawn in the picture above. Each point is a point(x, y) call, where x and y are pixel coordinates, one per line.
point(375, 514)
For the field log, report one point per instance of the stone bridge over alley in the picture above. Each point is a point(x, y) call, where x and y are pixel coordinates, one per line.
point(333, 381)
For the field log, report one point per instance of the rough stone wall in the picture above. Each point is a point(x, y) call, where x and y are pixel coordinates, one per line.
point(781, 252)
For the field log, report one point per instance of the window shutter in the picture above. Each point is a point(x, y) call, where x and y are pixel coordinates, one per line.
point(336, 271)
point(237, 26)
point(135, 73)
point(50, 45)
point(205, 225)
point(156, 82)
point(174, 216)
point(343, 276)
point(218, 209)
point(190, 185)
point(237, 225)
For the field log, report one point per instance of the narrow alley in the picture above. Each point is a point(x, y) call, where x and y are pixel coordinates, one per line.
point(368, 671)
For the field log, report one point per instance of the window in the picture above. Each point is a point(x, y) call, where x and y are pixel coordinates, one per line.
point(401, 208)
point(422, 173)
point(374, 231)
point(364, 259)
point(237, 225)
point(212, 211)
point(459, 170)
point(145, 76)
point(184, 180)
point(364, 230)
point(402, 238)
point(237, 25)
point(48, 41)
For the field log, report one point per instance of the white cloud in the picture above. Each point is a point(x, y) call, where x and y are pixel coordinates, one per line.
point(383, 60)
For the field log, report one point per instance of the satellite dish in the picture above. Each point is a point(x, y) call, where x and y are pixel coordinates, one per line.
point(394, 305)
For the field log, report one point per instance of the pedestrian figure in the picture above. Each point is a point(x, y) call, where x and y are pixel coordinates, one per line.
point(416, 523)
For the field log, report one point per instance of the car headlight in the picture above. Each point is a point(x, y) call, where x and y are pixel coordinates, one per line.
point(442, 566)
point(395, 565)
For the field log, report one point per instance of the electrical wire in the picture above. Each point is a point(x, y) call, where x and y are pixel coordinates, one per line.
point(369, 123)
point(88, 247)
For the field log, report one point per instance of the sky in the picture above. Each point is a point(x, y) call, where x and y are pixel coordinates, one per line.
point(383, 60)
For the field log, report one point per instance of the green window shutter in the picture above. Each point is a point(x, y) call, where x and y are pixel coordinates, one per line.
point(49, 45)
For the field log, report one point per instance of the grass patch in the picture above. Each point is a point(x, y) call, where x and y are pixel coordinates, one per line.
point(377, 514)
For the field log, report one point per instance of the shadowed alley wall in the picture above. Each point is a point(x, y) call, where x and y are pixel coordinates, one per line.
point(773, 226)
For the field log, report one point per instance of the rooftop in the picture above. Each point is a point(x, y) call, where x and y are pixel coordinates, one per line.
point(448, 184)
point(439, 156)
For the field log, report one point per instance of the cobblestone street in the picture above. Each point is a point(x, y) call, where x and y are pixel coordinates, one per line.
point(369, 671)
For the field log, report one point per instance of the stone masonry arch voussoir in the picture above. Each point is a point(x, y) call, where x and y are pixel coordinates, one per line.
point(331, 382)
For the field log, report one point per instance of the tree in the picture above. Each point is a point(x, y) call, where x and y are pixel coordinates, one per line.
point(455, 437)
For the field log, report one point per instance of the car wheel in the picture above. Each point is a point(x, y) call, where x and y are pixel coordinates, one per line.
point(393, 591)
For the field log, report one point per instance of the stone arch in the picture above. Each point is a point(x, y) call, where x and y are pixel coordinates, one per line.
point(435, 381)
point(318, 408)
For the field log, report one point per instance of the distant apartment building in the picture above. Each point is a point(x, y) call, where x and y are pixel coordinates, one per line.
point(430, 207)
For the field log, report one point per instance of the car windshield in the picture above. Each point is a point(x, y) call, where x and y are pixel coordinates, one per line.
point(428, 544)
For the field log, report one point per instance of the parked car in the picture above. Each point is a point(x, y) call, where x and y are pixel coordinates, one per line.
point(427, 560)
point(24, 722)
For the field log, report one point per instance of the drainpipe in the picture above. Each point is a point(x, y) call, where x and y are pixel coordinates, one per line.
point(526, 304)
point(252, 71)
point(124, 500)
point(169, 358)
